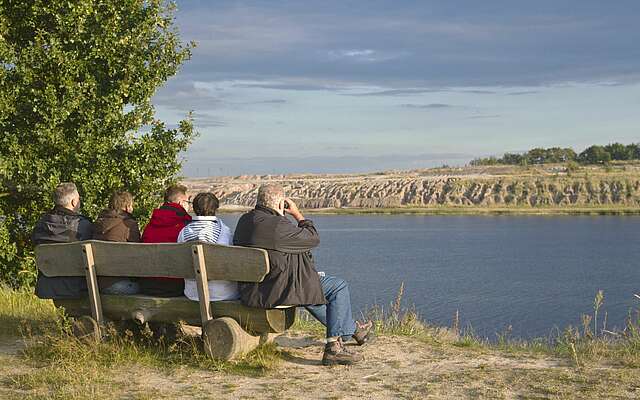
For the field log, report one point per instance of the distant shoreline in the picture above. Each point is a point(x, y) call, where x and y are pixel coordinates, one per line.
point(463, 210)
point(549, 189)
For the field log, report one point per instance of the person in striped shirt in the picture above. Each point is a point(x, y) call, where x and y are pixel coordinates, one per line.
point(206, 227)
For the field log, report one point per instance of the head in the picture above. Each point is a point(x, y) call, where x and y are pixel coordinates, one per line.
point(205, 204)
point(121, 201)
point(66, 195)
point(177, 194)
point(271, 195)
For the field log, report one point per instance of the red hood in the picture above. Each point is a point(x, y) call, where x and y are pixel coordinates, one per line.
point(163, 218)
point(165, 224)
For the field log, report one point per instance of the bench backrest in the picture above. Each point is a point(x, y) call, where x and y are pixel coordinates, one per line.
point(231, 263)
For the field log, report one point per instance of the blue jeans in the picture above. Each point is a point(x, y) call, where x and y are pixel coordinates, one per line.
point(336, 314)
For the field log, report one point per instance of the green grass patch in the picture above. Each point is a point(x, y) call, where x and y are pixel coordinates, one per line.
point(22, 312)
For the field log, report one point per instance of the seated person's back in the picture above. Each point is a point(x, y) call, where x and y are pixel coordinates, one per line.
point(166, 223)
point(116, 224)
point(62, 224)
point(206, 227)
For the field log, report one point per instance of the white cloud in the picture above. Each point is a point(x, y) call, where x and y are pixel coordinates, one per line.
point(364, 55)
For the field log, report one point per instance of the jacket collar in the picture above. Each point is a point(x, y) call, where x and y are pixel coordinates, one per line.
point(63, 211)
point(174, 207)
point(204, 218)
point(268, 210)
point(109, 213)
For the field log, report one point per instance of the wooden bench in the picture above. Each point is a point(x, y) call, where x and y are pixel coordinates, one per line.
point(228, 327)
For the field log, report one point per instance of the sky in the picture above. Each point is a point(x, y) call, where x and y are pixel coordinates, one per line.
point(362, 86)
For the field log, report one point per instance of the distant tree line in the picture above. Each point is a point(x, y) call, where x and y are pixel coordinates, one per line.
point(595, 154)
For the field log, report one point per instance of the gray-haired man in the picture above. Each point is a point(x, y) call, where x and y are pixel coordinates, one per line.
point(292, 279)
point(62, 224)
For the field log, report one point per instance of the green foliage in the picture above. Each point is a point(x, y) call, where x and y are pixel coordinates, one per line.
point(533, 156)
point(76, 80)
point(621, 152)
point(592, 155)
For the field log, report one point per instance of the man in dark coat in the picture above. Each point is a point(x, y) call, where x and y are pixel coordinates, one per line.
point(292, 279)
point(116, 224)
point(61, 225)
point(166, 223)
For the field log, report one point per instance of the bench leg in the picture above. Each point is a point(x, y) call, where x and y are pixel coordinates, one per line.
point(224, 339)
point(86, 329)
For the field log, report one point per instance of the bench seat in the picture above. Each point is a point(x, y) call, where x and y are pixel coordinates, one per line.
point(174, 309)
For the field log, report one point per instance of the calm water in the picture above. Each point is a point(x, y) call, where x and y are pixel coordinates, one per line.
point(530, 273)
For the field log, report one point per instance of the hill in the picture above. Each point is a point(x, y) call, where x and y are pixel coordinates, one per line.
point(548, 188)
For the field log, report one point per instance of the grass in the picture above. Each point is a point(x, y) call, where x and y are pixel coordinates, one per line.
point(21, 310)
point(72, 365)
point(590, 345)
point(54, 364)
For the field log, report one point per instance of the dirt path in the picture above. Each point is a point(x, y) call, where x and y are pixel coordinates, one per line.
point(407, 369)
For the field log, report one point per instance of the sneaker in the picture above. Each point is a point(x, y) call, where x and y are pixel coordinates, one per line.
point(335, 353)
point(364, 333)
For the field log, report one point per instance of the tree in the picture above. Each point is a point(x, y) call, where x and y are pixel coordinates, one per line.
point(619, 151)
point(634, 150)
point(76, 81)
point(594, 155)
point(536, 156)
point(511, 159)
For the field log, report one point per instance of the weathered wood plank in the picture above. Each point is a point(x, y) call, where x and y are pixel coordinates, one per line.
point(147, 260)
point(200, 270)
point(234, 263)
point(175, 309)
point(117, 259)
point(92, 284)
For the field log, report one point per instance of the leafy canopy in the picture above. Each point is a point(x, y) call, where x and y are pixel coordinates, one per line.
point(592, 155)
point(76, 80)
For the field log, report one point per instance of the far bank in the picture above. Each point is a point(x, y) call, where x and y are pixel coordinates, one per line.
point(464, 210)
point(540, 190)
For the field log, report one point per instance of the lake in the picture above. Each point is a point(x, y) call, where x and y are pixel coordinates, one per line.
point(533, 274)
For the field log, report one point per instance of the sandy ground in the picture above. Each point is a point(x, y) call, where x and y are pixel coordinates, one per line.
point(395, 368)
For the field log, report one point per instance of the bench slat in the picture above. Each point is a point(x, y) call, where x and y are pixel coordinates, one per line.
point(148, 260)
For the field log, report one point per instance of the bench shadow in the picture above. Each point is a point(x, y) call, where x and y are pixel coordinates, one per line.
point(298, 342)
point(299, 360)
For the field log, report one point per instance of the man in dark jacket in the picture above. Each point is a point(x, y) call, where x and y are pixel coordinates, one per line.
point(116, 224)
point(60, 225)
point(165, 225)
point(292, 279)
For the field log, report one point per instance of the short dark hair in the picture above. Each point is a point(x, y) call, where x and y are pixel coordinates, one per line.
point(205, 203)
point(173, 191)
point(120, 199)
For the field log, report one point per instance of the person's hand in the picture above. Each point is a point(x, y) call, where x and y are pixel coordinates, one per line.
point(292, 208)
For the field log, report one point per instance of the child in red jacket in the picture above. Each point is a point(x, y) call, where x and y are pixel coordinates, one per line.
point(165, 225)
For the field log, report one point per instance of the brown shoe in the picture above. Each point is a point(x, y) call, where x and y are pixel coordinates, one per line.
point(364, 333)
point(335, 353)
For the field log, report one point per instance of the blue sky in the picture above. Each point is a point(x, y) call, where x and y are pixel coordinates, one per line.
point(351, 86)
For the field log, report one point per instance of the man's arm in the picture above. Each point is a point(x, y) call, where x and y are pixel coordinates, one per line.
point(296, 239)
